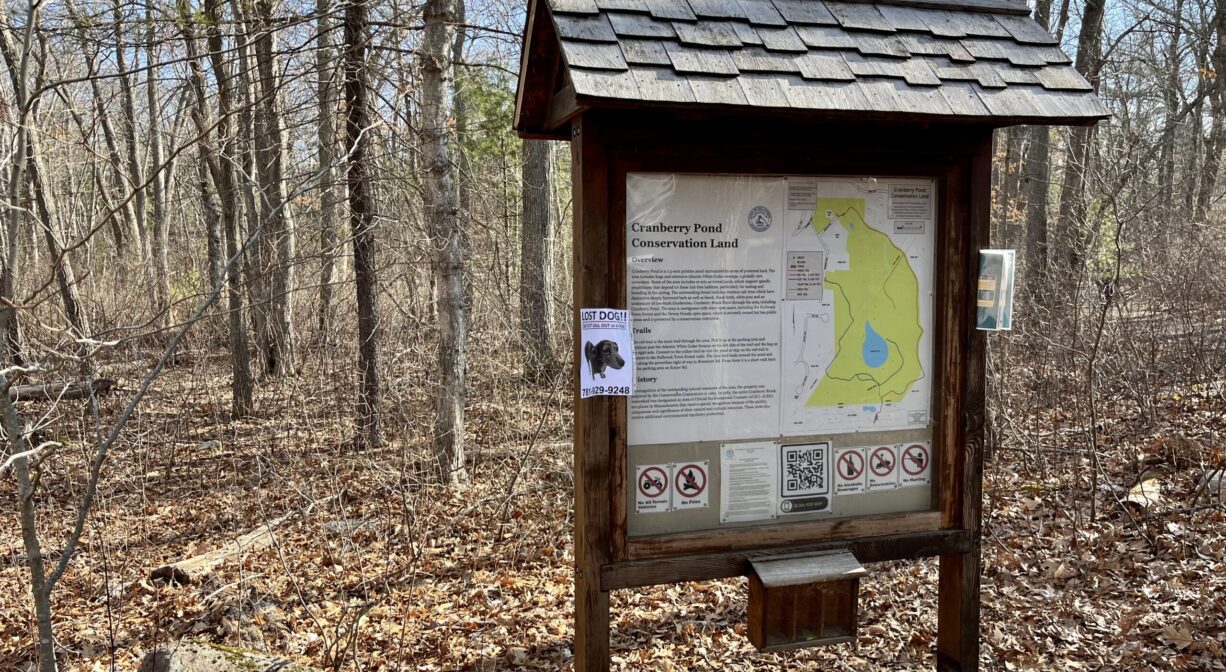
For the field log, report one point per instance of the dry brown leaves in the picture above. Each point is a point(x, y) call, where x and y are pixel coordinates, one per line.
point(397, 574)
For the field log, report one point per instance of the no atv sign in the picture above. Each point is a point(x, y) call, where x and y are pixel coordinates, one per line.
point(652, 491)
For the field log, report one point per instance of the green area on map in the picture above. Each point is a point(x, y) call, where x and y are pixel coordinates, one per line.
point(876, 316)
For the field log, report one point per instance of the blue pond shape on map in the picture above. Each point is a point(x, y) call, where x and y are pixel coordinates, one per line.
point(876, 350)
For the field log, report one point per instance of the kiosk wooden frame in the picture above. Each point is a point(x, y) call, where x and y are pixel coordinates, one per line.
point(910, 88)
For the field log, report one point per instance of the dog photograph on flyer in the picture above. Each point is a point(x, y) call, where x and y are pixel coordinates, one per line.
point(607, 351)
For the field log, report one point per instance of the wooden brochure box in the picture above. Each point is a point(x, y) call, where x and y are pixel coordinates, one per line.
point(803, 601)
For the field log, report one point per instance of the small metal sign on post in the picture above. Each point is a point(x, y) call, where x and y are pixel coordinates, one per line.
point(789, 199)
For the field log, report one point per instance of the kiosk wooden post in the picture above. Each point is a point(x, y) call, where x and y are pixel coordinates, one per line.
point(794, 95)
point(596, 429)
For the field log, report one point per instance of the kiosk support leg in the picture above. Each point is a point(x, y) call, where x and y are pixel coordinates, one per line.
point(958, 591)
point(591, 624)
point(594, 426)
point(958, 612)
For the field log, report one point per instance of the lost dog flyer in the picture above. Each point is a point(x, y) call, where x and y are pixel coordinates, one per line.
point(608, 353)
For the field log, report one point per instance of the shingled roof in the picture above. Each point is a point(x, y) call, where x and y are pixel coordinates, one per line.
point(982, 60)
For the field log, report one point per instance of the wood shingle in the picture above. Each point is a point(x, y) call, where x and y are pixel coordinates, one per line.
point(981, 60)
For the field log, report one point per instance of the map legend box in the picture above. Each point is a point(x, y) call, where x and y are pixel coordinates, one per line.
point(805, 276)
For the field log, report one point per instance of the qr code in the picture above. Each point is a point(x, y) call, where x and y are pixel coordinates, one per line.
point(806, 470)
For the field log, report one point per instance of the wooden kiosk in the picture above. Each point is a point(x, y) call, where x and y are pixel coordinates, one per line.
point(790, 197)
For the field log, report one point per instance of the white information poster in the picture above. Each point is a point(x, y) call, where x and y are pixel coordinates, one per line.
point(778, 306)
point(748, 481)
point(608, 353)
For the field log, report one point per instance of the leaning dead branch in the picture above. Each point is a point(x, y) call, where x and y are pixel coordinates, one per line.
point(78, 389)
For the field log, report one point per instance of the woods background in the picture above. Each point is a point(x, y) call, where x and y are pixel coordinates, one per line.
point(281, 290)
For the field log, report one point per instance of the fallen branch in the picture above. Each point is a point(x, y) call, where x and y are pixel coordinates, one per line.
point(77, 389)
point(199, 656)
point(193, 569)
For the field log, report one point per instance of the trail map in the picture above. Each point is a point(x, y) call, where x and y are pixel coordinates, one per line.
point(859, 357)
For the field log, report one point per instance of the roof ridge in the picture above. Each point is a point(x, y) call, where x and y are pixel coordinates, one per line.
point(1016, 7)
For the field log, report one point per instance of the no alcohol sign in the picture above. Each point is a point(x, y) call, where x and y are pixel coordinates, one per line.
point(850, 468)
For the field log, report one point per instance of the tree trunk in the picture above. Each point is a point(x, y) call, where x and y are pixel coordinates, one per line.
point(206, 179)
point(1036, 177)
point(39, 589)
point(257, 261)
point(1215, 144)
point(160, 238)
point(362, 219)
point(9, 334)
point(1036, 182)
point(536, 263)
point(121, 217)
point(47, 215)
point(136, 176)
point(1192, 159)
point(459, 112)
point(9, 331)
point(1170, 104)
point(210, 213)
point(445, 230)
point(18, 64)
point(65, 278)
point(222, 169)
point(328, 187)
point(1071, 222)
point(279, 356)
point(1062, 20)
point(18, 67)
point(1009, 181)
point(60, 391)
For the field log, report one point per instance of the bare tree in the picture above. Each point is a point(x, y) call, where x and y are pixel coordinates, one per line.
point(459, 112)
point(33, 178)
point(447, 238)
point(1036, 179)
point(1170, 102)
point(329, 197)
point(1215, 143)
point(222, 168)
point(277, 339)
point(135, 171)
point(19, 63)
point(1076, 166)
point(159, 182)
point(536, 262)
point(362, 219)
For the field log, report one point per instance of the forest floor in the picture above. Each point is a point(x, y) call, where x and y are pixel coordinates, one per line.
point(392, 573)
